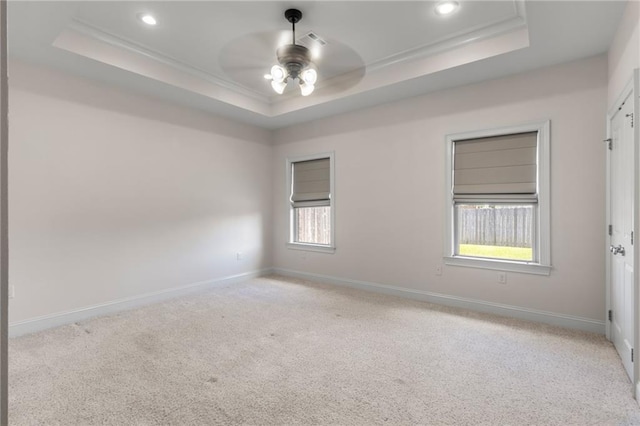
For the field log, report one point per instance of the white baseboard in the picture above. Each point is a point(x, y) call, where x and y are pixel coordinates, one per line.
point(567, 321)
point(61, 318)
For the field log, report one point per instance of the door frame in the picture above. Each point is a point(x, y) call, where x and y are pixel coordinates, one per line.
point(4, 232)
point(632, 90)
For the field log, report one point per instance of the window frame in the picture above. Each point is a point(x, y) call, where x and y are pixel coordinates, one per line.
point(542, 213)
point(291, 243)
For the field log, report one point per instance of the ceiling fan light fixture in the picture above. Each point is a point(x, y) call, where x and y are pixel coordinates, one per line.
point(447, 7)
point(294, 62)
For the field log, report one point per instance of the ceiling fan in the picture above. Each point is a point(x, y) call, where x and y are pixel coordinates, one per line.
point(294, 62)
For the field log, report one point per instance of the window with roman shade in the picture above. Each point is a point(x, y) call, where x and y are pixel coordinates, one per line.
point(498, 199)
point(311, 203)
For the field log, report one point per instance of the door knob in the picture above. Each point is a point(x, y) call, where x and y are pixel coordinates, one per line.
point(617, 250)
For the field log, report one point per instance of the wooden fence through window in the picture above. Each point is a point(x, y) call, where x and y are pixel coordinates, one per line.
point(496, 226)
point(314, 225)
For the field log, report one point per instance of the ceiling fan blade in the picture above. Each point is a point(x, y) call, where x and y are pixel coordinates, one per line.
point(339, 68)
point(250, 50)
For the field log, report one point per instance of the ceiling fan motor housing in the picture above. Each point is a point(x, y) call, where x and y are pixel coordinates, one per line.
point(294, 58)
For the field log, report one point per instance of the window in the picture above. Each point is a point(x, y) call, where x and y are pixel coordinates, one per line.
point(498, 199)
point(311, 202)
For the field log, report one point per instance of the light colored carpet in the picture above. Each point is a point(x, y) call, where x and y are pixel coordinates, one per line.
point(282, 351)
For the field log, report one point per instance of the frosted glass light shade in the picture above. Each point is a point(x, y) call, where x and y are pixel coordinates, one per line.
point(306, 89)
point(278, 86)
point(278, 74)
point(310, 76)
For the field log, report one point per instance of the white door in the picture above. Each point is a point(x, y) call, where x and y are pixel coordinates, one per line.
point(621, 240)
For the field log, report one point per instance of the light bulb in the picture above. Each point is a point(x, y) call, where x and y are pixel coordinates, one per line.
point(147, 19)
point(310, 76)
point(306, 89)
point(447, 7)
point(278, 86)
point(278, 73)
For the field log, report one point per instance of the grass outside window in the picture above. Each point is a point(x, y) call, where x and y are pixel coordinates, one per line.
point(497, 252)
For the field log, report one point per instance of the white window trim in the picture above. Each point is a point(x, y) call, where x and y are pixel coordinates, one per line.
point(543, 216)
point(321, 248)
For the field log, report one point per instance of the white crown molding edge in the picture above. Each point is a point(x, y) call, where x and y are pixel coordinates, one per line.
point(481, 32)
point(92, 31)
point(534, 315)
point(40, 323)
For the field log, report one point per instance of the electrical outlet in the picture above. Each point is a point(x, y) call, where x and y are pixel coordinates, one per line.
point(439, 270)
point(12, 291)
point(502, 277)
point(239, 256)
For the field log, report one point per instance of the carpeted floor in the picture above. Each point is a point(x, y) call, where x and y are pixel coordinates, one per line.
point(282, 351)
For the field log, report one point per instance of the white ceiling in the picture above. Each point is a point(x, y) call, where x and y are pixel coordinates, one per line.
point(213, 55)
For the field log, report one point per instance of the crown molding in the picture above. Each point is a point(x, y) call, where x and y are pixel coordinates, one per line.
point(496, 28)
point(96, 33)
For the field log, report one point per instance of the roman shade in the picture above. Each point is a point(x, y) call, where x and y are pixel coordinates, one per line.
point(311, 183)
point(500, 167)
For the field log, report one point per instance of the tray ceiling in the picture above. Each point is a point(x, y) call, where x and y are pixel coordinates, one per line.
point(213, 55)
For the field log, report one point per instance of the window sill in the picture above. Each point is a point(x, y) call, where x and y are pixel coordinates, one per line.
point(498, 265)
point(311, 247)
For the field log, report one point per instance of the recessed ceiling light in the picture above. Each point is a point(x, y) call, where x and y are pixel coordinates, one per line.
point(147, 19)
point(447, 7)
